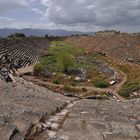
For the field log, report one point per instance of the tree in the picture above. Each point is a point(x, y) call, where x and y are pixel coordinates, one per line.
point(66, 60)
point(17, 35)
point(20, 35)
point(46, 36)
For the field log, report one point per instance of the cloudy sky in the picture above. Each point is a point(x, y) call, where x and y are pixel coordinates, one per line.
point(81, 15)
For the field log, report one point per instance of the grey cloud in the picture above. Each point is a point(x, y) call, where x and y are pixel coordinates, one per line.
point(82, 15)
point(98, 12)
point(10, 5)
point(13, 5)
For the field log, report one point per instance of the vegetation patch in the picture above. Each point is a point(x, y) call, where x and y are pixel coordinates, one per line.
point(128, 88)
point(84, 89)
point(100, 83)
point(56, 82)
point(70, 66)
point(60, 58)
point(133, 80)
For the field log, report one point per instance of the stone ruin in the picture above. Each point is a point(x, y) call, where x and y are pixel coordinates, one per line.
point(17, 53)
point(31, 112)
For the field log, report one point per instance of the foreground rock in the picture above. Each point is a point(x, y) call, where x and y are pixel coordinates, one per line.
point(24, 107)
point(102, 120)
point(31, 112)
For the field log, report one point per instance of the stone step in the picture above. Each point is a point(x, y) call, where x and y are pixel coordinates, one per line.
point(51, 134)
point(55, 126)
point(57, 119)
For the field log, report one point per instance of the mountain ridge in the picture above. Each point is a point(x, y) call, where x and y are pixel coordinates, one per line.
point(40, 32)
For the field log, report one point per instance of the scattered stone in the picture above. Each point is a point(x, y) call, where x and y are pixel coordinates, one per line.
point(54, 126)
point(54, 73)
point(135, 93)
point(112, 82)
point(89, 81)
point(130, 60)
point(78, 79)
point(51, 134)
point(47, 73)
point(39, 127)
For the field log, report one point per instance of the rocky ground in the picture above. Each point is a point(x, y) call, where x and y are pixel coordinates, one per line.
point(31, 112)
point(24, 107)
point(102, 120)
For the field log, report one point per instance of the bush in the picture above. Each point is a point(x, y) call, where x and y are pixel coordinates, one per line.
point(66, 61)
point(61, 59)
point(128, 88)
point(100, 83)
point(84, 89)
point(38, 68)
point(17, 35)
point(56, 82)
point(73, 84)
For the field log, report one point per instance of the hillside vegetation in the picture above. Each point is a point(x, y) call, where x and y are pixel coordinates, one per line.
point(69, 65)
point(122, 46)
point(133, 80)
point(60, 58)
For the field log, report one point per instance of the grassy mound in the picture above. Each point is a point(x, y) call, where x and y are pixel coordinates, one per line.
point(128, 88)
point(100, 83)
point(133, 80)
point(60, 59)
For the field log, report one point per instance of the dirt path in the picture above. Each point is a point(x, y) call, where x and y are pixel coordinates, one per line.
point(118, 86)
point(22, 71)
point(114, 89)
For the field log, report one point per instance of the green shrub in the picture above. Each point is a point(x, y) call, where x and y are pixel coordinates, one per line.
point(104, 93)
point(38, 68)
point(69, 89)
point(56, 82)
point(100, 83)
point(128, 88)
point(84, 89)
point(73, 83)
point(17, 35)
point(61, 58)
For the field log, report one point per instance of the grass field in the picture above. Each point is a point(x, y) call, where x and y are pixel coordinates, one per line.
point(133, 80)
point(61, 61)
point(132, 73)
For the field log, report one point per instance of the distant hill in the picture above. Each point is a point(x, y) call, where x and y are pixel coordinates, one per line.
point(122, 46)
point(40, 32)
